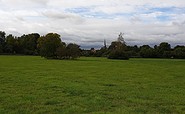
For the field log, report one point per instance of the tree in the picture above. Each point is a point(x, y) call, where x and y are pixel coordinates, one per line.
point(179, 52)
point(28, 44)
point(117, 49)
point(61, 51)
point(49, 44)
point(31, 43)
point(133, 51)
point(2, 37)
point(118, 54)
point(164, 49)
point(103, 52)
point(147, 52)
point(2, 41)
point(117, 45)
point(73, 51)
point(10, 44)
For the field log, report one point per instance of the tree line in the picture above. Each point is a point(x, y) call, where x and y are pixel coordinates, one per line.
point(50, 46)
point(163, 50)
point(119, 50)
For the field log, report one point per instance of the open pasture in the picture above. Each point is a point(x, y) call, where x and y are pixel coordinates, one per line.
point(31, 84)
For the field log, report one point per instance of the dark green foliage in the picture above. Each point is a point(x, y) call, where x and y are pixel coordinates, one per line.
point(73, 51)
point(49, 44)
point(133, 51)
point(31, 44)
point(1, 49)
point(163, 50)
point(2, 37)
point(10, 44)
point(51, 47)
point(103, 52)
point(179, 52)
point(28, 44)
point(118, 54)
point(117, 45)
point(117, 50)
point(167, 54)
point(85, 53)
point(164, 46)
point(61, 51)
point(147, 52)
point(2, 41)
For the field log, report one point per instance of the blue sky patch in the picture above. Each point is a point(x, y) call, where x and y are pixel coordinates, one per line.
point(163, 18)
point(88, 12)
point(79, 10)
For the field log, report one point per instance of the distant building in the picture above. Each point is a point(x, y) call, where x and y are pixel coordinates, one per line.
point(93, 50)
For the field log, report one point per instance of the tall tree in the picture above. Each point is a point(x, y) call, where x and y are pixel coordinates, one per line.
point(48, 45)
point(61, 51)
point(147, 52)
point(133, 51)
point(179, 52)
point(10, 44)
point(28, 43)
point(2, 41)
point(73, 51)
point(164, 49)
point(119, 44)
point(118, 49)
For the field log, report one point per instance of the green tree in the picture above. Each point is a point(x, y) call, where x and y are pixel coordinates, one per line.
point(179, 52)
point(117, 49)
point(61, 51)
point(133, 51)
point(117, 45)
point(2, 41)
point(147, 52)
point(16, 46)
point(10, 44)
point(31, 43)
point(118, 54)
point(103, 52)
point(28, 44)
point(49, 44)
point(120, 44)
point(164, 50)
point(73, 51)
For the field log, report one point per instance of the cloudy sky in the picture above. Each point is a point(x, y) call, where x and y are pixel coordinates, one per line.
point(89, 22)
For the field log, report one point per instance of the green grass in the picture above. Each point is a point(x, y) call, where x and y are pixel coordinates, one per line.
point(91, 85)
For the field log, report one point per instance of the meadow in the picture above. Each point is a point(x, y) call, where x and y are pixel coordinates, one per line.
point(31, 84)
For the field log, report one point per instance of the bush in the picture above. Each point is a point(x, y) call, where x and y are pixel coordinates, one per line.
point(118, 54)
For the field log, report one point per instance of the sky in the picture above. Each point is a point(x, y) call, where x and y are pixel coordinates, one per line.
point(89, 22)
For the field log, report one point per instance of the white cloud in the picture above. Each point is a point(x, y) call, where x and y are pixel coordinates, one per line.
point(91, 21)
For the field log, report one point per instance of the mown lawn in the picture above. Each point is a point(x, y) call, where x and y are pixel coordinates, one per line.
point(31, 84)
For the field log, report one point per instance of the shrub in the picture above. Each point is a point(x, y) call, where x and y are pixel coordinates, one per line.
point(118, 54)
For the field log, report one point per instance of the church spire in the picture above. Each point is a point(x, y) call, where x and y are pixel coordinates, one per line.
point(105, 45)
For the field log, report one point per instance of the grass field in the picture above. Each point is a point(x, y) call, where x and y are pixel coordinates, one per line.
point(91, 85)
